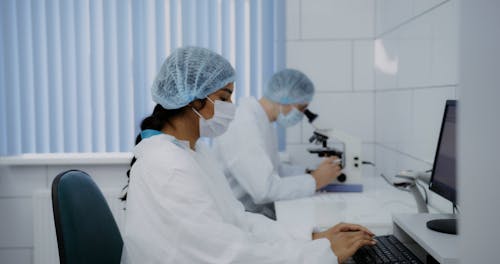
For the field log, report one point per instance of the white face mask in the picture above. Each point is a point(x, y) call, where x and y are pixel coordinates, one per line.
point(292, 118)
point(218, 124)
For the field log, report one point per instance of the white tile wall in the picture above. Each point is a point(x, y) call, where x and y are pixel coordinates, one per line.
point(18, 181)
point(349, 112)
point(425, 48)
point(16, 256)
point(444, 52)
point(414, 63)
point(420, 6)
point(428, 107)
point(16, 217)
point(391, 13)
point(363, 69)
point(293, 19)
point(337, 19)
point(386, 61)
point(327, 63)
point(393, 118)
point(17, 185)
point(410, 98)
point(409, 120)
point(335, 49)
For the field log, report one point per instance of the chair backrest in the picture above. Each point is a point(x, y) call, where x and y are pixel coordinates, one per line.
point(86, 230)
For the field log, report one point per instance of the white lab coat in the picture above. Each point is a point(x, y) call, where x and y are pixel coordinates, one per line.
point(248, 152)
point(180, 209)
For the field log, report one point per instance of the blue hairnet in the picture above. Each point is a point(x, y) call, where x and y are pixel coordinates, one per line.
point(289, 86)
point(190, 73)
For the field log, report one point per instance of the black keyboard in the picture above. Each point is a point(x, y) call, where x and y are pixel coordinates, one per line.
point(387, 250)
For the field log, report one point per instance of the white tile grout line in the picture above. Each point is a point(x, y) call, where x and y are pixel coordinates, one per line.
point(416, 88)
point(329, 39)
point(344, 92)
point(401, 153)
point(300, 19)
point(410, 19)
point(15, 248)
point(352, 65)
point(20, 196)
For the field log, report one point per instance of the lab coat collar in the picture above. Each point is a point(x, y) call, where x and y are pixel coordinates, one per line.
point(139, 149)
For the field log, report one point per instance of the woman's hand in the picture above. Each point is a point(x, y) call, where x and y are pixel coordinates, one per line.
point(346, 239)
point(345, 244)
point(346, 227)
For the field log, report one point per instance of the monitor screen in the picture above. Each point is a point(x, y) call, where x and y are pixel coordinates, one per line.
point(443, 179)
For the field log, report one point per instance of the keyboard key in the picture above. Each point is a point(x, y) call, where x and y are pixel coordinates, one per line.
point(388, 250)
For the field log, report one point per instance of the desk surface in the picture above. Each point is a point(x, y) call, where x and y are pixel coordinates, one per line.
point(412, 228)
point(372, 208)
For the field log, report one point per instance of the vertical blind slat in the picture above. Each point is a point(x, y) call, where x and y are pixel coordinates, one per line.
point(150, 53)
point(26, 88)
point(125, 79)
point(160, 25)
point(111, 76)
point(55, 76)
point(138, 62)
point(69, 102)
point(225, 29)
point(12, 78)
point(214, 30)
point(97, 71)
point(240, 48)
point(3, 88)
point(83, 76)
point(279, 54)
point(39, 26)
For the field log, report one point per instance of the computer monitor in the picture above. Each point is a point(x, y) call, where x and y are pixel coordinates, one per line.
point(444, 172)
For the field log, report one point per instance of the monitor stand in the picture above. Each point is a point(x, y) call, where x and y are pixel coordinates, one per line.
point(448, 226)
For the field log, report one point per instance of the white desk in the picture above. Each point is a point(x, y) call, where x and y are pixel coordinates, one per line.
point(372, 208)
point(412, 231)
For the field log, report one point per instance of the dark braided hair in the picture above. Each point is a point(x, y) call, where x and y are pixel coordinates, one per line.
point(157, 121)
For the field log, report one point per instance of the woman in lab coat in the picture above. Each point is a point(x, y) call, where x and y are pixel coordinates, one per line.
point(248, 151)
point(180, 208)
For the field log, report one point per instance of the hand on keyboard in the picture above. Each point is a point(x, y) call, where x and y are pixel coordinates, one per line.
point(346, 239)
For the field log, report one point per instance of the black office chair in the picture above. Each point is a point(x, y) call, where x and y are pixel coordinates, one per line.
point(86, 230)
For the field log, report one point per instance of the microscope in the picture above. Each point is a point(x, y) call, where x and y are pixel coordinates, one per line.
point(349, 153)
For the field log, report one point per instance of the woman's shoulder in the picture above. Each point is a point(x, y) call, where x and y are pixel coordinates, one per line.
point(161, 150)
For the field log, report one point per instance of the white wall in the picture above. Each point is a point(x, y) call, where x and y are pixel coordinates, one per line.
point(383, 70)
point(332, 42)
point(416, 56)
point(18, 182)
point(479, 144)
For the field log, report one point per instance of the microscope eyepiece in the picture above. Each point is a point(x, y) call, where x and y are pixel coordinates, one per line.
point(310, 115)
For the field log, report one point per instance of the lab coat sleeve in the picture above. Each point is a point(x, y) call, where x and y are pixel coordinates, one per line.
point(205, 237)
point(253, 170)
point(286, 169)
point(260, 224)
point(226, 243)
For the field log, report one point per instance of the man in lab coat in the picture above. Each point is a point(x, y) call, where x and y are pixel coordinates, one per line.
point(248, 150)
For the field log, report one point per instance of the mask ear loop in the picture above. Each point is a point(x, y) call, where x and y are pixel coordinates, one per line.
point(208, 98)
point(198, 113)
point(280, 110)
